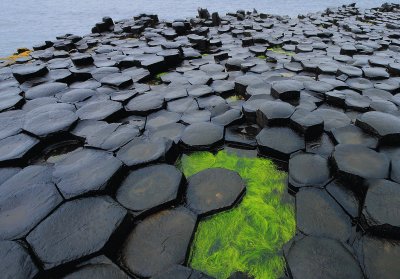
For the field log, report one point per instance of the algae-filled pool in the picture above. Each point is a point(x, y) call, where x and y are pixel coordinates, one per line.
point(249, 237)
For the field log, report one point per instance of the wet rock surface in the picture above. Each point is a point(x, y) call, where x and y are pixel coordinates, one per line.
point(62, 237)
point(90, 126)
point(212, 190)
point(16, 262)
point(315, 257)
point(159, 242)
point(150, 187)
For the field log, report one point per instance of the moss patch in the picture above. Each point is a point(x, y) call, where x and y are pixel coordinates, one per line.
point(262, 56)
point(249, 237)
point(280, 50)
point(21, 52)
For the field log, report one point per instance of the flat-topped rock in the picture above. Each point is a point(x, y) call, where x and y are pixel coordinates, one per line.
point(379, 257)
point(383, 125)
point(287, 89)
point(98, 110)
point(279, 142)
point(307, 124)
point(315, 257)
point(105, 136)
point(14, 149)
point(332, 118)
point(159, 242)
point(353, 135)
point(99, 267)
point(306, 170)
point(181, 272)
point(202, 136)
point(49, 119)
point(345, 197)
point(45, 90)
point(25, 199)
point(16, 261)
point(60, 238)
point(141, 151)
point(85, 171)
point(25, 72)
point(274, 113)
point(355, 163)
point(213, 190)
point(317, 214)
point(381, 208)
point(150, 187)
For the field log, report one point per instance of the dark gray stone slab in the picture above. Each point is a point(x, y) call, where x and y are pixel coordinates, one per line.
point(279, 142)
point(354, 163)
point(63, 237)
point(85, 171)
point(202, 136)
point(150, 187)
point(307, 169)
point(15, 262)
point(318, 214)
point(213, 190)
point(25, 199)
point(315, 258)
point(158, 242)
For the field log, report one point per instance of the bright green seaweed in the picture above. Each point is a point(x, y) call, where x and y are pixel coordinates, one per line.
point(250, 236)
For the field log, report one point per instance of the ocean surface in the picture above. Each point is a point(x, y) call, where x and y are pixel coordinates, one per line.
point(24, 23)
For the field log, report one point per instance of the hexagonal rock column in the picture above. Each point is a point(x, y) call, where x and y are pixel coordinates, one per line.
point(150, 188)
point(307, 124)
point(332, 118)
point(316, 258)
point(213, 190)
point(100, 268)
point(307, 169)
point(25, 199)
point(384, 125)
point(319, 215)
point(274, 113)
point(45, 90)
point(159, 242)
point(279, 142)
point(353, 135)
point(15, 262)
point(76, 229)
point(287, 89)
point(354, 163)
point(181, 272)
point(84, 171)
point(345, 197)
point(25, 72)
point(379, 257)
point(140, 151)
point(202, 136)
point(50, 119)
point(381, 209)
point(16, 149)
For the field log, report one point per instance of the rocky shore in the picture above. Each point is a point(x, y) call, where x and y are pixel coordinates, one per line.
point(91, 128)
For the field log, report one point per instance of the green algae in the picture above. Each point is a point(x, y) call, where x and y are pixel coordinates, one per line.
point(280, 50)
point(262, 56)
point(161, 74)
point(249, 237)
